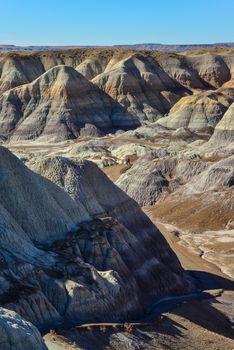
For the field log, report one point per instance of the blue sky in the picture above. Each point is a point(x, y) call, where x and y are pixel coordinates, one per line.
point(103, 22)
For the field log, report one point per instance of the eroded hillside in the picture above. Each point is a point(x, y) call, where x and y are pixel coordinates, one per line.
point(77, 248)
point(116, 89)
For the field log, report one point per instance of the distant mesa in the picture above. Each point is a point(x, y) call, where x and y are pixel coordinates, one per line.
point(144, 46)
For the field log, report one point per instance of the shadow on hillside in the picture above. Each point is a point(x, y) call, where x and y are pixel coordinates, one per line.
point(203, 312)
point(206, 280)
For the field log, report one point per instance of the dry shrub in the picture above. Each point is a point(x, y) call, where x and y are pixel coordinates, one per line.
point(124, 169)
point(128, 327)
point(53, 334)
point(114, 326)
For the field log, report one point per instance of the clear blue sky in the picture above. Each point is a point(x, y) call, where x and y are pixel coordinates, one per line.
point(108, 22)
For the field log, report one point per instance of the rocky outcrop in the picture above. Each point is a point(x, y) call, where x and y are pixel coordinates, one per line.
point(74, 247)
point(90, 130)
point(99, 150)
point(144, 183)
point(196, 69)
point(24, 67)
point(17, 70)
point(213, 68)
point(92, 149)
point(56, 106)
point(91, 67)
point(183, 134)
point(220, 174)
point(137, 87)
point(18, 334)
point(129, 149)
point(224, 131)
point(181, 71)
point(155, 175)
point(140, 85)
point(199, 112)
point(148, 179)
point(31, 195)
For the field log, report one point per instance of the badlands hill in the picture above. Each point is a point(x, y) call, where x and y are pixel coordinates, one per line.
point(224, 131)
point(74, 248)
point(43, 94)
point(199, 112)
point(57, 105)
point(77, 248)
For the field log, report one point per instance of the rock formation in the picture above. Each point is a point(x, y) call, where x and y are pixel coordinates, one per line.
point(56, 105)
point(16, 333)
point(91, 67)
point(220, 174)
point(16, 70)
point(224, 131)
point(144, 182)
point(90, 130)
point(74, 247)
point(78, 248)
point(92, 149)
point(142, 87)
point(199, 112)
point(158, 174)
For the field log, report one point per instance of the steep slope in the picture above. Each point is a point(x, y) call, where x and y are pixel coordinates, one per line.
point(224, 131)
point(144, 182)
point(18, 334)
point(89, 254)
point(46, 223)
point(149, 179)
point(15, 71)
point(56, 105)
point(140, 85)
point(177, 67)
point(211, 67)
point(200, 111)
point(137, 87)
point(91, 67)
point(98, 195)
point(220, 174)
point(17, 68)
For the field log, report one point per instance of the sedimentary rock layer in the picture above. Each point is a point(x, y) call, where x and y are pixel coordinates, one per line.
point(200, 111)
point(74, 247)
point(142, 87)
point(57, 105)
point(16, 333)
point(224, 131)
